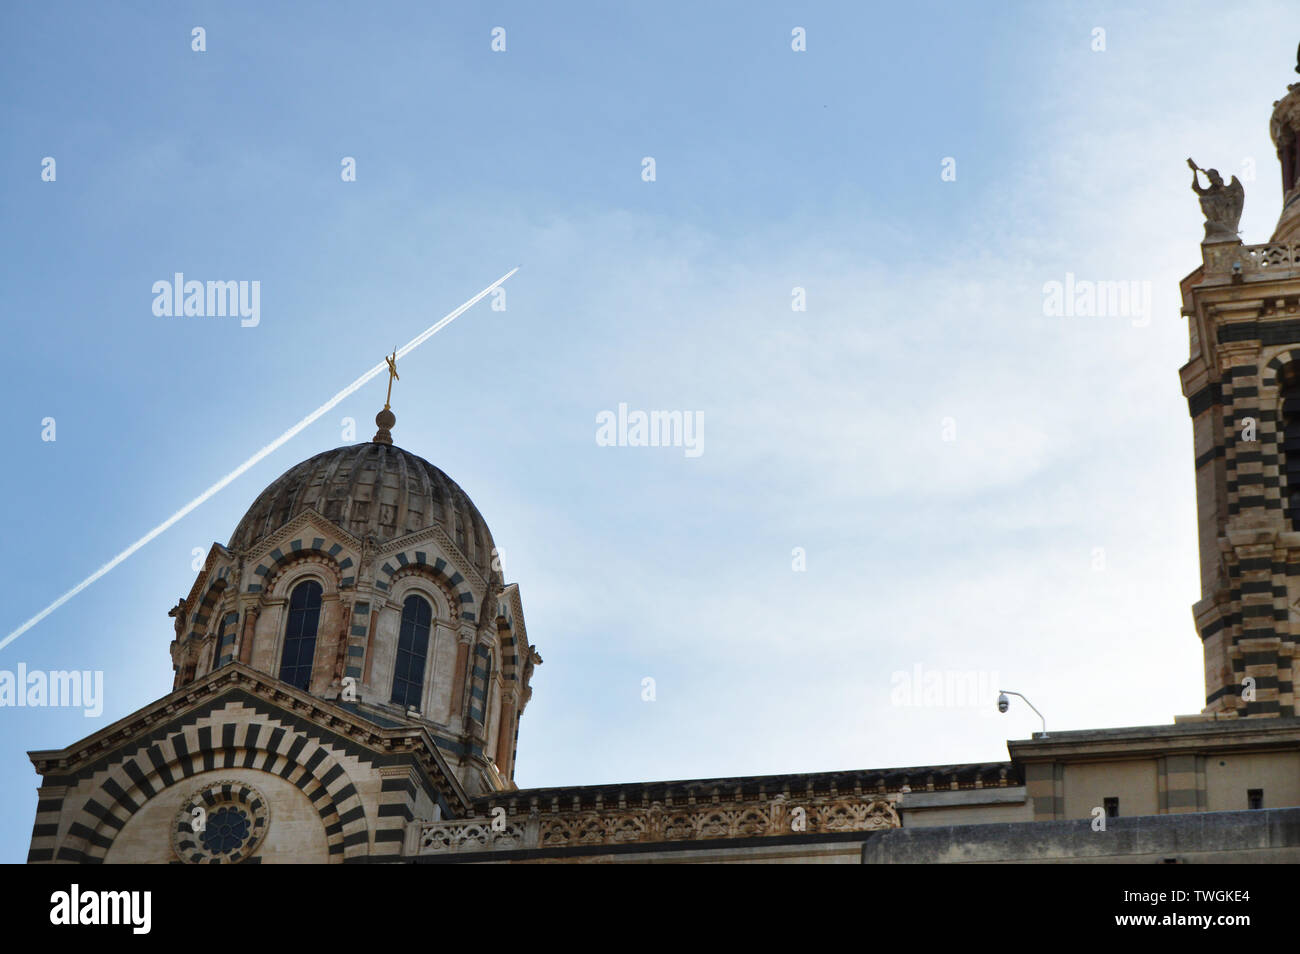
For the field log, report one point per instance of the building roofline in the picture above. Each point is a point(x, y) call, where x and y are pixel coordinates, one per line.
point(882, 781)
point(1139, 740)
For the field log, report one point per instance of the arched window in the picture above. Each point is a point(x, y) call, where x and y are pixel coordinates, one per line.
point(1289, 385)
point(300, 634)
point(412, 651)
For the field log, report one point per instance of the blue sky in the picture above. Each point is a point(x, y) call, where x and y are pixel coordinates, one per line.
point(822, 429)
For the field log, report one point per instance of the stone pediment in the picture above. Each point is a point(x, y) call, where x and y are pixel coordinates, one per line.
point(297, 527)
point(322, 527)
point(439, 538)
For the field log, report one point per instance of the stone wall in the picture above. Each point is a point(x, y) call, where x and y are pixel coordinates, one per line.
point(1268, 836)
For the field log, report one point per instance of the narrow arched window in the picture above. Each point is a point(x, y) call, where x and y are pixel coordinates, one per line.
point(412, 651)
point(300, 634)
point(1289, 386)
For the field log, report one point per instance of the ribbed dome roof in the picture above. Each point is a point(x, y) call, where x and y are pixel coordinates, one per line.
point(370, 488)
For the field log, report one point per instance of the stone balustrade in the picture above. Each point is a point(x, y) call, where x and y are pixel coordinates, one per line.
point(650, 825)
point(1270, 260)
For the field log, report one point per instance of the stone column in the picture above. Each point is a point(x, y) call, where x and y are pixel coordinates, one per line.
point(244, 651)
point(505, 735)
point(340, 657)
point(327, 639)
point(462, 666)
point(372, 636)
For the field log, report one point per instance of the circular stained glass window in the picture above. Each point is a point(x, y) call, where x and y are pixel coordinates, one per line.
point(221, 823)
point(226, 830)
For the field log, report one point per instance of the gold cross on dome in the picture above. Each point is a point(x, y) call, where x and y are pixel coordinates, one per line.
point(392, 374)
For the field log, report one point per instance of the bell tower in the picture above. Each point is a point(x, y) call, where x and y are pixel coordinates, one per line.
point(1242, 384)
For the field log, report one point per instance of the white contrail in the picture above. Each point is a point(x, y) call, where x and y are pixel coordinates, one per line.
point(279, 441)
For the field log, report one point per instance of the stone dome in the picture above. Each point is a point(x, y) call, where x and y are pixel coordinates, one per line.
point(370, 488)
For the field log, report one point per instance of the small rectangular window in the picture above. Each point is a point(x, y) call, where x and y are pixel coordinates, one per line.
point(1255, 797)
point(1112, 807)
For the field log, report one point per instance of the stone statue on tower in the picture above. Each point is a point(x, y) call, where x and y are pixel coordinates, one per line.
point(1221, 204)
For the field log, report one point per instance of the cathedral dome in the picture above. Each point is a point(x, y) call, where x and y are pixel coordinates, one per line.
point(371, 488)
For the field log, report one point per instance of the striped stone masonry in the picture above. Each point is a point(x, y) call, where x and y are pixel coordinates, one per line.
point(358, 640)
point(397, 806)
point(222, 740)
point(227, 637)
point(239, 721)
point(480, 682)
point(462, 598)
point(277, 561)
point(1181, 783)
point(1245, 306)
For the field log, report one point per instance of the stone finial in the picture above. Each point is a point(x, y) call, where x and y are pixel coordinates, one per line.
point(385, 419)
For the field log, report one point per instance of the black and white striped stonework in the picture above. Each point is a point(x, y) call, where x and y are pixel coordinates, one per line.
point(481, 683)
point(82, 809)
point(1261, 487)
